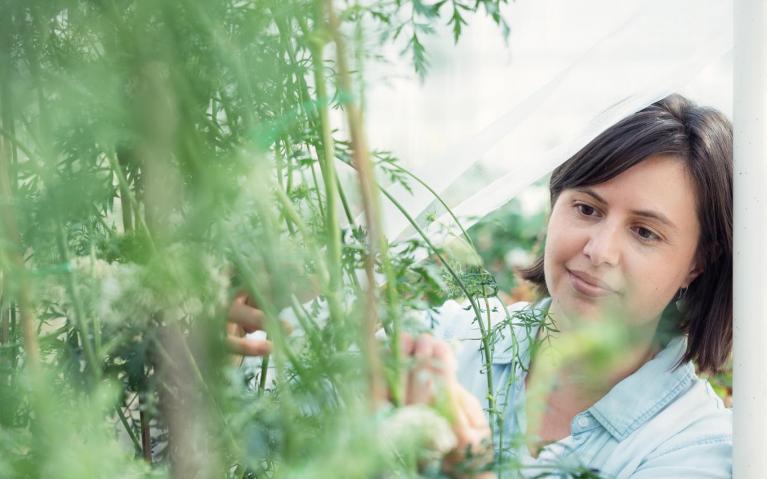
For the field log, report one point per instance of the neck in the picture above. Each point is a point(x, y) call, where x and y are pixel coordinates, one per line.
point(585, 359)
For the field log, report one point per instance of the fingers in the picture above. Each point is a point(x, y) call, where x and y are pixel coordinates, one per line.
point(420, 382)
point(406, 343)
point(433, 368)
point(247, 317)
point(245, 314)
point(248, 347)
point(444, 360)
point(469, 403)
point(423, 348)
point(472, 432)
point(233, 329)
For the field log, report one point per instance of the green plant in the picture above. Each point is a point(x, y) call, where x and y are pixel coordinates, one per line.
point(156, 158)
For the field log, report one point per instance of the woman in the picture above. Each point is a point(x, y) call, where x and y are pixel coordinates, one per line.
point(640, 232)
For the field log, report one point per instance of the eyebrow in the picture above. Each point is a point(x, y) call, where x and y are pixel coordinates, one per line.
point(660, 217)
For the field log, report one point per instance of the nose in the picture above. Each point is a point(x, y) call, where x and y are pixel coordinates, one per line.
point(603, 245)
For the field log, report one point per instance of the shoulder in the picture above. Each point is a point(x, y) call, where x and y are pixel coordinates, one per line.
point(511, 330)
point(700, 421)
point(692, 437)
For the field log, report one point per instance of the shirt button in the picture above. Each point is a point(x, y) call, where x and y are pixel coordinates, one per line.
point(583, 421)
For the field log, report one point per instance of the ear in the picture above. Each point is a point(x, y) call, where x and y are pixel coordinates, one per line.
point(694, 272)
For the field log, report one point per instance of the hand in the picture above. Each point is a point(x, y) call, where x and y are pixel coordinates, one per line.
point(244, 318)
point(435, 367)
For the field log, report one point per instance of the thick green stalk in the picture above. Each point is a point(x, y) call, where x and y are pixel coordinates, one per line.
point(131, 198)
point(332, 225)
point(11, 255)
point(377, 243)
point(91, 357)
point(125, 201)
point(310, 111)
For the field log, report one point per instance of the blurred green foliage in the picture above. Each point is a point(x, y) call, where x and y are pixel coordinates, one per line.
point(511, 237)
point(155, 159)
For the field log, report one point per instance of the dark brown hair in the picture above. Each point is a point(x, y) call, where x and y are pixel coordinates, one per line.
point(702, 138)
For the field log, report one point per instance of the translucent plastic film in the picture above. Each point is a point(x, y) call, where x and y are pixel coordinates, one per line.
point(611, 63)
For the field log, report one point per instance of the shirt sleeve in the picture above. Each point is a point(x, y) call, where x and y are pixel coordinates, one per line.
point(709, 459)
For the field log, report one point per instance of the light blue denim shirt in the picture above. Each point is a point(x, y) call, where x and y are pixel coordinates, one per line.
point(657, 423)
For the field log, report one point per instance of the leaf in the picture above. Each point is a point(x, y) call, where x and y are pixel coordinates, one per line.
point(420, 62)
point(457, 21)
point(424, 28)
point(390, 167)
point(428, 11)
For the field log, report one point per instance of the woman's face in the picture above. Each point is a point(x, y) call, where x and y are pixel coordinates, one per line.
point(627, 244)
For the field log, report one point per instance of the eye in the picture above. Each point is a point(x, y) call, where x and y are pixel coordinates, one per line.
point(646, 234)
point(586, 210)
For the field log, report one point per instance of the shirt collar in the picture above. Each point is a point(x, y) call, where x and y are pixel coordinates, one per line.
point(640, 396)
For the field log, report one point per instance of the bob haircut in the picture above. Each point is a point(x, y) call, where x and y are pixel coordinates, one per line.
point(702, 138)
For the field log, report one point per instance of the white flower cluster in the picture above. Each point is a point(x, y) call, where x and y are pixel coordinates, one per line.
point(420, 430)
point(179, 285)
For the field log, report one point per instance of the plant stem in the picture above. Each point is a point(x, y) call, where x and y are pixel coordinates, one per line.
point(332, 225)
point(487, 349)
point(308, 325)
point(265, 305)
point(128, 429)
point(132, 199)
point(450, 270)
point(146, 436)
point(291, 213)
point(5, 323)
point(125, 200)
point(91, 358)
point(317, 190)
point(11, 255)
point(345, 203)
point(377, 243)
point(289, 180)
point(438, 198)
point(262, 374)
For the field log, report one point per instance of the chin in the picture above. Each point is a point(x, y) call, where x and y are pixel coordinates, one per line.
point(576, 305)
point(586, 308)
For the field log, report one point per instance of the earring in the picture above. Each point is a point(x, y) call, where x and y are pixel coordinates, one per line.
point(679, 299)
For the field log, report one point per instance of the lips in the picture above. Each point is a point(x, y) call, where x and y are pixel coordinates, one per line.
point(588, 285)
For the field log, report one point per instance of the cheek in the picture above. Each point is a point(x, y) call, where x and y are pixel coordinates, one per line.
point(562, 244)
point(653, 282)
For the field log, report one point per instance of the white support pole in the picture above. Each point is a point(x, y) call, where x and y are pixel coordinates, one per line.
point(750, 250)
